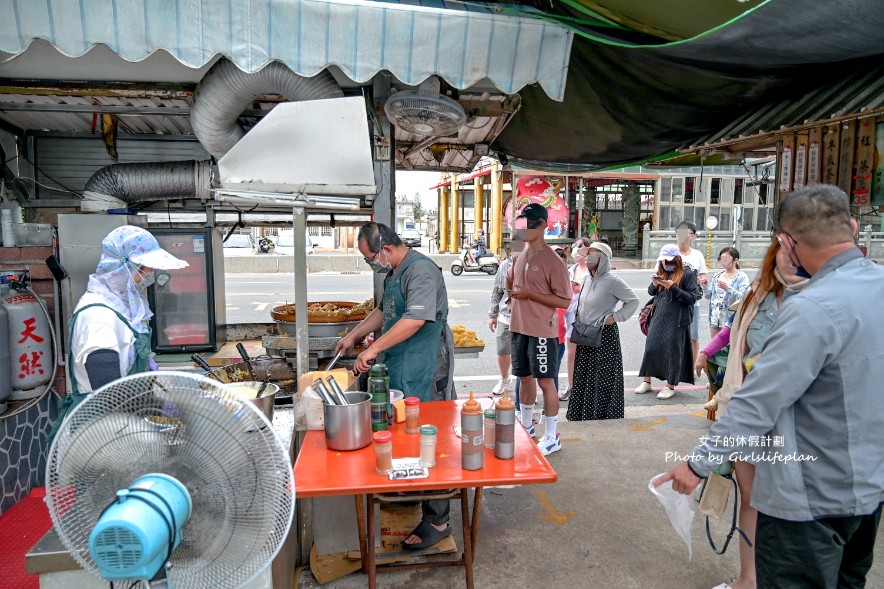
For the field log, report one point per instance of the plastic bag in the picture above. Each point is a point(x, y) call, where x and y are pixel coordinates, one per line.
point(680, 508)
point(313, 410)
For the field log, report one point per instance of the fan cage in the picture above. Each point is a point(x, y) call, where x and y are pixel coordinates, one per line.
point(197, 430)
point(425, 113)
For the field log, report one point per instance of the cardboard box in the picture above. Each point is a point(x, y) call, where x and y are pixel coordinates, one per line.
point(397, 521)
point(343, 376)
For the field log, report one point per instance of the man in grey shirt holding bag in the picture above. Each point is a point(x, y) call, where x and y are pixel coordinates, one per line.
point(810, 413)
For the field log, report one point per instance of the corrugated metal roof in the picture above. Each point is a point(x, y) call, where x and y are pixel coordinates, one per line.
point(858, 92)
point(362, 38)
point(40, 120)
point(453, 153)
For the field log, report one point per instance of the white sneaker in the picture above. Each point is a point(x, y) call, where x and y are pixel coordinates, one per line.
point(644, 387)
point(548, 444)
point(501, 387)
point(666, 393)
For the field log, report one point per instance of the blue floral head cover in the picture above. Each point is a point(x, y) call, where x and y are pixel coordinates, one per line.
point(125, 250)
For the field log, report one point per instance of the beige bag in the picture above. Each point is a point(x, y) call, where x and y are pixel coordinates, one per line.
point(714, 497)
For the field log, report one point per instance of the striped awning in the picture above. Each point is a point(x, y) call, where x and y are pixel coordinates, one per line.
point(463, 45)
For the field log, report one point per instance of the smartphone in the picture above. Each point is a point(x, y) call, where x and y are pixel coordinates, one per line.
point(58, 272)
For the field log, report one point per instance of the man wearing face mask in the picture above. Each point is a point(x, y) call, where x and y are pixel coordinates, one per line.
point(815, 392)
point(693, 259)
point(416, 343)
point(109, 330)
point(412, 318)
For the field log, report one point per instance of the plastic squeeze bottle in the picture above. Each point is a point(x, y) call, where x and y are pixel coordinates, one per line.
point(505, 429)
point(473, 442)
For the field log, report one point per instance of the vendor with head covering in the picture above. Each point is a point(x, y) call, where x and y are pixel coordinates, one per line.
point(109, 330)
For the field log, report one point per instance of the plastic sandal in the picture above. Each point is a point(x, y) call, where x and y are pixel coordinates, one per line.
point(428, 534)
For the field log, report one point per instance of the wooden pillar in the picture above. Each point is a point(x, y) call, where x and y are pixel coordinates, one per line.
point(443, 219)
point(454, 245)
point(495, 244)
point(479, 203)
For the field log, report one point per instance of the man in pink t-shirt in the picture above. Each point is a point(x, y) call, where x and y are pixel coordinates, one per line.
point(539, 285)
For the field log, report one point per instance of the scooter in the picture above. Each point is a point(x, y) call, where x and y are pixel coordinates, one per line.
point(265, 245)
point(487, 263)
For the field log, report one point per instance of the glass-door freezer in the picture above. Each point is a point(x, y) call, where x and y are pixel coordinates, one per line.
point(183, 301)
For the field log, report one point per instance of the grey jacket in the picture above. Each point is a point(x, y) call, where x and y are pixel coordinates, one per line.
point(601, 293)
point(815, 391)
point(500, 298)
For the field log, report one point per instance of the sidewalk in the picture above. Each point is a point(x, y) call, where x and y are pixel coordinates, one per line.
point(597, 527)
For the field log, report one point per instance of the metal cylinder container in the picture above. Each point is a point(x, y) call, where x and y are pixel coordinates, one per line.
point(348, 427)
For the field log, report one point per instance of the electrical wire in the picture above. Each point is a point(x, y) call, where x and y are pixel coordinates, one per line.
point(36, 167)
point(47, 187)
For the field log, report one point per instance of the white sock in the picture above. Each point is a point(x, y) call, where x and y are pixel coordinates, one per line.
point(551, 423)
point(527, 414)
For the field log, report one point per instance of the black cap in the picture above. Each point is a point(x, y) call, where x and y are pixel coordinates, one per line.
point(534, 212)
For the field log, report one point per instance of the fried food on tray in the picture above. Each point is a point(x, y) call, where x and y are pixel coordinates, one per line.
point(326, 311)
point(463, 338)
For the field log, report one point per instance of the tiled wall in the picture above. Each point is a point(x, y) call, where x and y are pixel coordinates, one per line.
point(23, 450)
point(23, 436)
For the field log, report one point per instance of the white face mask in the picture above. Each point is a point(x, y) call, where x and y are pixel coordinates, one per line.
point(592, 261)
point(146, 281)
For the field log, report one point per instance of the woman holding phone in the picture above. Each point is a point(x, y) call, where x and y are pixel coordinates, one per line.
point(577, 273)
point(668, 354)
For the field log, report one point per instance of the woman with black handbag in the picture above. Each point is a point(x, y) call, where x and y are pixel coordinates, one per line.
point(597, 390)
point(668, 353)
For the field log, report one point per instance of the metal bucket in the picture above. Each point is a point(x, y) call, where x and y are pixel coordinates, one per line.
point(249, 389)
point(348, 427)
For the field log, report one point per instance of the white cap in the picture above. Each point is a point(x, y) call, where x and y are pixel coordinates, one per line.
point(602, 247)
point(158, 259)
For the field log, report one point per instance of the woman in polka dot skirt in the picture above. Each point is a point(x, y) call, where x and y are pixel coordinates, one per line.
point(597, 391)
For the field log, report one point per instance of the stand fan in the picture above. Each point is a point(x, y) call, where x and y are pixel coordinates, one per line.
point(171, 479)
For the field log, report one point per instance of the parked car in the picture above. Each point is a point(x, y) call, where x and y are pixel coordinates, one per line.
point(285, 243)
point(410, 237)
point(239, 244)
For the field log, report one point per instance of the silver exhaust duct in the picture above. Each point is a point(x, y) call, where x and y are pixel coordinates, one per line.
point(119, 185)
point(226, 91)
point(219, 99)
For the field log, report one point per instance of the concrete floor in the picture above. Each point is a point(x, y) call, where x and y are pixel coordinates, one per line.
point(598, 526)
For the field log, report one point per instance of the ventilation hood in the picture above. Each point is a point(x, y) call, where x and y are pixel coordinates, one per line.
point(311, 148)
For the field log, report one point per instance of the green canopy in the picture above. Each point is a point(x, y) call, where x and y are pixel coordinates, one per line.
point(648, 77)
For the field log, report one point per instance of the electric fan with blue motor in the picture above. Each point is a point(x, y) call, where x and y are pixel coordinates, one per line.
point(171, 480)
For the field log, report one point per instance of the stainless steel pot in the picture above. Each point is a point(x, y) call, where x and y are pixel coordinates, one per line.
point(249, 389)
point(317, 329)
point(348, 427)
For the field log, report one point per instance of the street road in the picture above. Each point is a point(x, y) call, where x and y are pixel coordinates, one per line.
point(251, 296)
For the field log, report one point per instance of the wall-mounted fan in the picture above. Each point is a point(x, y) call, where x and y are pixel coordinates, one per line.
point(170, 478)
point(424, 111)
